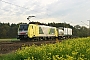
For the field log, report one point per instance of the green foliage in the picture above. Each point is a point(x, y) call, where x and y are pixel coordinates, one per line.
point(60, 25)
point(8, 30)
point(71, 49)
point(80, 31)
point(11, 56)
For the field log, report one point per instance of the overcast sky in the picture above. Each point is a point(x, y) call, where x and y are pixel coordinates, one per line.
point(59, 11)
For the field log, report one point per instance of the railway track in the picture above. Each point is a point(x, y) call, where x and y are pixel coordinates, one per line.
point(7, 47)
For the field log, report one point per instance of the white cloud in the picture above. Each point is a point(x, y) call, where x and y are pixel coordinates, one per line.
point(69, 11)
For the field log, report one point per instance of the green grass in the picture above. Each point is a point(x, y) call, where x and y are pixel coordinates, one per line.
point(13, 39)
point(10, 56)
point(71, 49)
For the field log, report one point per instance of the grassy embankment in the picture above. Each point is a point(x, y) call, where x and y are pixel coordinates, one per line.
point(13, 39)
point(71, 49)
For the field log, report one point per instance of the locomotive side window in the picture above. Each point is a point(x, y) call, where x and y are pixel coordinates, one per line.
point(23, 27)
point(52, 31)
point(40, 30)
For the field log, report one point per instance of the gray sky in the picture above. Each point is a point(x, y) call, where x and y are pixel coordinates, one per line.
point(59, 11)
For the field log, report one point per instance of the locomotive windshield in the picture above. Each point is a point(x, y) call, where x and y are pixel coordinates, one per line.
point(23, 27)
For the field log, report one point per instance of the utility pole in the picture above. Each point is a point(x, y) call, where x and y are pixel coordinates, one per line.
point(89, 23)
point(89, 27)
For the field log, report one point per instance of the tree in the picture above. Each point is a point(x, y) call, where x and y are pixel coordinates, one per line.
point(80, 31)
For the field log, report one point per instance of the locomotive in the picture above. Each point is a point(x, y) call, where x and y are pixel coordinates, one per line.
point(42, 32)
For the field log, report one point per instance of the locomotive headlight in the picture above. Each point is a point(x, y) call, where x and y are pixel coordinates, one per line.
point(26, 33)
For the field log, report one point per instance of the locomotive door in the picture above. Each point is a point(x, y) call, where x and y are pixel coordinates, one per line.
point(35, 31)
point(30, 31)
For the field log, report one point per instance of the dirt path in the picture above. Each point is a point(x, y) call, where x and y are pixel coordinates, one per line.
point(7, 47)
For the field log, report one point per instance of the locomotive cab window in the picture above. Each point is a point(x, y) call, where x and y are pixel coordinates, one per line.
point(23, 27)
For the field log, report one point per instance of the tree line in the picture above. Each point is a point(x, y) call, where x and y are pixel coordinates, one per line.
point(8, 30)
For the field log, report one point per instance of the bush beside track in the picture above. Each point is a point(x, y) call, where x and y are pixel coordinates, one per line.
point(71, 49)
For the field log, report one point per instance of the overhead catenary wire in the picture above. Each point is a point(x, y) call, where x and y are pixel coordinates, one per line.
point(85, 23)
point(13, 4)
point(16, 6)
point(19, 7)
point(10, 11)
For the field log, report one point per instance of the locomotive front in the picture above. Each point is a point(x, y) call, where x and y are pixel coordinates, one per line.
point(22, 31)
